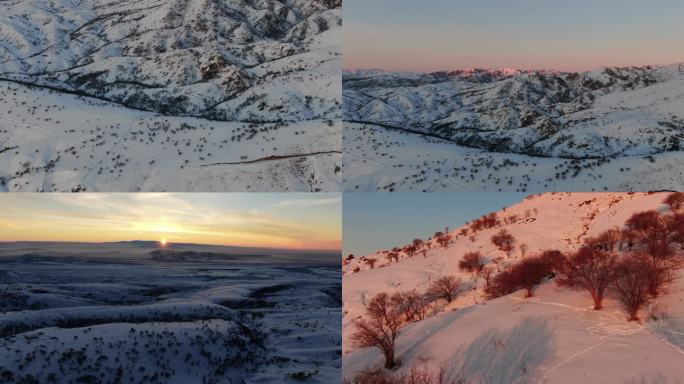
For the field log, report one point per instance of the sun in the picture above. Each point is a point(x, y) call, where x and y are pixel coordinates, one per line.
point(163, 242)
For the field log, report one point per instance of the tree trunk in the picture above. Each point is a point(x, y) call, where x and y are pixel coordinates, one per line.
point(389, 359)
point(598, 300)
point(633, 315)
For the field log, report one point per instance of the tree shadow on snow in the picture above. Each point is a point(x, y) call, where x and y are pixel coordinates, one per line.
point(652, 379)
point(506, 357)
point(671, 329)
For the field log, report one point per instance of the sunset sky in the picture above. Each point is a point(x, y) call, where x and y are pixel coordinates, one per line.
point(375, 221)
point(274, 220)
point(524, 34)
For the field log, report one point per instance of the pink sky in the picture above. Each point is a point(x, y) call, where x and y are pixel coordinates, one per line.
point(523, 34)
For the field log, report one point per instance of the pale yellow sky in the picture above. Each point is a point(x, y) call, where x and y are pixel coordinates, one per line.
point(294, 221)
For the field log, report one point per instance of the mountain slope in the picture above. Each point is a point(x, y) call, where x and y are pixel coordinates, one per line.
point(199, 57)
point(183, 95)
point(554, 337)
point(543, 117)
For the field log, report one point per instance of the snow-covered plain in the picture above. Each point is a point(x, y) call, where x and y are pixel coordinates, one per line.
point(616, 129)
point(553, 337)
point(106, 318)
point(185, 95)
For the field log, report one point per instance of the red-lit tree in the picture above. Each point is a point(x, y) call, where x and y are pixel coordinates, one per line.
point(631, 287)
point(446, 287)
point(591, 269)
point(504, 241)
point(379, 327)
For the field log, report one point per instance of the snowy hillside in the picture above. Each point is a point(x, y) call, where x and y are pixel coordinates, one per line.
point(514, 130)
point(179, 95)
point(554, 336)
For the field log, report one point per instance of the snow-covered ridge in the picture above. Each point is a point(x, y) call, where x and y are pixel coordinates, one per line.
point(220, 59)
point(556, 220)
point(602, 113)
point(168, 323)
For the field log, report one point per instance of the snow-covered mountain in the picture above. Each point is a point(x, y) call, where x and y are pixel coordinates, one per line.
point(569, 120)
point(264, 76)
point(553, 337)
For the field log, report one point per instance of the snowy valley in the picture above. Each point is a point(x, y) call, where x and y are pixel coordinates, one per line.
point(133, 313)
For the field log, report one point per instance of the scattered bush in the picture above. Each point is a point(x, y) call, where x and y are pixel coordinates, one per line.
point(504, 241)
point(417, 374)
point(446, 287)
point(443, 239)
point(472, 262)
point(524, 275)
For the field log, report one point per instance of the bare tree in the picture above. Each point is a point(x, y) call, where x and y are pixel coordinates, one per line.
point(409, 250)
point(553, 258)
point(607, 240)
point(347, 259)
point(628, 238)
point(530, 272)
point(413, 305)
point(498, 260)
point(472, 262)
point(421, 373)
point(392, 256)
point(486, 273)
point(443, 239)
point(630, 287)
point(504, 283)
point(675, 201)
point(526, 275)
point(677, 226)
point(504, 241)
point(370, 262)
point(659, 271)
point(379, 327)
point(446, 287)
point(653, 230)
point(590, 269)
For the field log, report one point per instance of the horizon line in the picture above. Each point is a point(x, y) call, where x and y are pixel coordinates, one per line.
point(502, 68)
point(172, 243)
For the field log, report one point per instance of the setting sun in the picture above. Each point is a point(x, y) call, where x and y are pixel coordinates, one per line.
point(267, 220)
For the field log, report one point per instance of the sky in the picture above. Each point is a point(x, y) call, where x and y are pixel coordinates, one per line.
point(375, 221)
point(577, 35)
point(273, 220)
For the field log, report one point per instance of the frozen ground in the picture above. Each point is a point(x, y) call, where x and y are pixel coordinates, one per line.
point(615, 129)
point(219, 96)
point(553, 337)
point(95, 320)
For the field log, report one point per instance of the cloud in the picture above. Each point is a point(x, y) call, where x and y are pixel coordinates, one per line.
point(309, 202)
point(206, 218)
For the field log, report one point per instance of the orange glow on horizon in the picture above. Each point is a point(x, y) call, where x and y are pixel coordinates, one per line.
point(265, 221)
